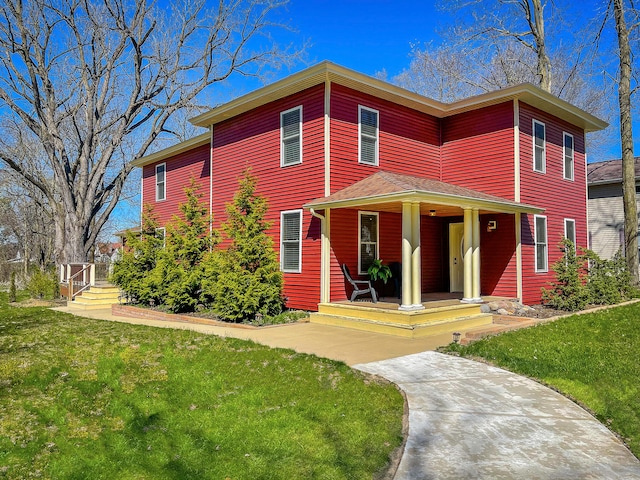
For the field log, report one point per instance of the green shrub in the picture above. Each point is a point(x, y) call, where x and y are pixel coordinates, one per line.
point(43, 284)
point(12, 288)
point(569, 291)
point(248, 279)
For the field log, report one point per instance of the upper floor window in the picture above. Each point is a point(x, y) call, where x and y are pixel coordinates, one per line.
point(540, 234)
point(290, 241)
point(161, 182)
point(291, 137)
point(368, 135)
point(367, 241)
point(539, 147)
point(568, 156)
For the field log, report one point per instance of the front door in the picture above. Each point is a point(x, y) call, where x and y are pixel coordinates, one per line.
point(456, 266)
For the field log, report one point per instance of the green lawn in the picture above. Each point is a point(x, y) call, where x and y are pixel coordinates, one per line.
point(92, 399)
point(592, 358)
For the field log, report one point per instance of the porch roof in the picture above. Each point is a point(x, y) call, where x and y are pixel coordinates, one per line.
point(388, 190)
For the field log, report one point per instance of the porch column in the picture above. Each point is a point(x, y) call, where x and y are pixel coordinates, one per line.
point(416, 270)
point(406, 257)
point(467, 256)
point(476, 256)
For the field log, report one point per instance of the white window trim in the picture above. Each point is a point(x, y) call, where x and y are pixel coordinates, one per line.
point(299, 269)
point(564, 156)
point(575, 233)
point(544, 147)
point(360, 214)
point(282, 114)
point(535, 243)
point(377, 150)
point(165, 181)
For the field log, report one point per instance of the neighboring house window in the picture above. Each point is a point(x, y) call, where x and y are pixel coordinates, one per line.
point(539, 147)
point(161, 182)
point(368, 133)
point(570, 230)
point(367, 241)
point(568, 156)
point(540, 234)
point(161, 232)
point(291, 137)
point(290, 241)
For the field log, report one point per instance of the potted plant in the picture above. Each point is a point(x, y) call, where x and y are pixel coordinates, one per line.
point(378, 271)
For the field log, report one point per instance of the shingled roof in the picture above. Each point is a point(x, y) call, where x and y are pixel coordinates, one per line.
point(608, 172)
point(388, 187)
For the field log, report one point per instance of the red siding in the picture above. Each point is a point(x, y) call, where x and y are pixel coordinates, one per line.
point(253, 140)
point(560, 198)
point(180, 170)
point(498, 256)
point(409, 140)
point(478, 152)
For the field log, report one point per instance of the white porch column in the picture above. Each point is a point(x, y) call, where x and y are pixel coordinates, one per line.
point(416, 270)
point(325, 258)
point(467, 258)
point(476, 255)
point(406, 257)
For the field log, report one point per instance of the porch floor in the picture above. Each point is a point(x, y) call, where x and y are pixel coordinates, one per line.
point(443, 313)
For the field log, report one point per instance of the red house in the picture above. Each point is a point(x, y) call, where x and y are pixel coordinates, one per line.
point(470, 197)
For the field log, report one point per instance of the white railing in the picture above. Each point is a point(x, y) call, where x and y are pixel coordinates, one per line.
point(78, 277)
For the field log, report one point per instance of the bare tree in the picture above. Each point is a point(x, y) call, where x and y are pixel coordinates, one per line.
point(96, 82)
point(623, 32)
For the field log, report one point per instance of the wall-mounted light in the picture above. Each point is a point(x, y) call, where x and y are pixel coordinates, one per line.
point(432, 213)
point(492, 225)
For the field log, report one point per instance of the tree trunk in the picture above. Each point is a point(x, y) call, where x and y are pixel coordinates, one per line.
point(626, 139)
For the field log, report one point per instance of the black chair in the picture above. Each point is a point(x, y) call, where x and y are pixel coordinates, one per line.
point(396, 276)
point(360, 287)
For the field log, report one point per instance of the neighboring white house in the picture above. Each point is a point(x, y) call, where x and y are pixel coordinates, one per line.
point(606, 213)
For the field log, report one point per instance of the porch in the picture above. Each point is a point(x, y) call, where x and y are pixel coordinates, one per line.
point(441, 313)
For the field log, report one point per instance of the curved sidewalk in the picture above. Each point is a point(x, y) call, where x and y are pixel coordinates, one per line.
point(468, 420)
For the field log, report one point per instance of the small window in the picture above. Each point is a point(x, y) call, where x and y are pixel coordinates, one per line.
point(368, 132)
point(290, 241)
point(570, 230)
point(161, 234)
point(541, 243)
point(291, 137)
point(539, 147)
point(161, 183)
point(568, 156)
point(368, 240)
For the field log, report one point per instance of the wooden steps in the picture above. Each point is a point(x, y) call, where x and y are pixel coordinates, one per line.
point(442, 317)
point(96, 297)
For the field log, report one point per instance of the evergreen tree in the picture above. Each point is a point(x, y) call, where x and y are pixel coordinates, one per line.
point(249, 280)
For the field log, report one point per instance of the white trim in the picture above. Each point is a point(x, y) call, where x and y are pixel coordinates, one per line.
point(164, 182)
point(546, 244)
point(564, 156)
point(327, 137)
point(282, 214)
point(377, 136)
point(377, 242)
point(282, 114)
point(544, 146)
point(211, 139)
point(516, 149)
point(575, 233)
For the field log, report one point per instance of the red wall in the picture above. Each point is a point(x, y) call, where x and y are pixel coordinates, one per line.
point(561, 198)
point(478, 152)
point(253, 140)
point(180, 169)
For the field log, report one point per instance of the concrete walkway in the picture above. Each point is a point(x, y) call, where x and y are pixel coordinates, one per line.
point(467, 420)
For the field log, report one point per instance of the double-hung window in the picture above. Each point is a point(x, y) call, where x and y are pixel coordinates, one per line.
point(368, 135)
point(291, 137)
point(570, 230)
point(539, 147)
point(291, 241)
point(568, 156)
point(540, 234)
point(161, 182)
point(367, 241)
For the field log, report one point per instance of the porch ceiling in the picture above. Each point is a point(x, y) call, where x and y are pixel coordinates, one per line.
point(387, 191)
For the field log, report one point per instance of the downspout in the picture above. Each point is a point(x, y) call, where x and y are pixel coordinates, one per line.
point(324, 256)
point(211, 187)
